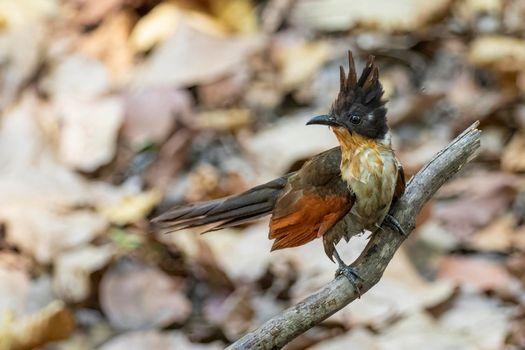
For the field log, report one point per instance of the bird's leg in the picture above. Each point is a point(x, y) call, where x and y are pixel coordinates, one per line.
point(347, 271)
point(392, 222)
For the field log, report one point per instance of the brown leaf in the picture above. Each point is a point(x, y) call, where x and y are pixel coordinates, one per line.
point(109, 44)
point(479, 273)
point(135, 296)
point(73, 269)
point(150, 114)
point(300, 62)
point(503, 234)
point(479, 199)
point(50, 324)
point(340, 15)
point(90, 130)
point(228, 119)
point(503, 53)
point(155, 340)
point(184, 59)
point(513, 158)
point(23, 38)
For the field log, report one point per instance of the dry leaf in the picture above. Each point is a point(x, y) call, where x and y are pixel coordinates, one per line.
point(109, 44)
point(235, 314)
point(238, 15)
point(134, 296)
point(226, 91)
point(228, 119)
point(151, 114)
point(22, 40)
point(357, 338)
point(300, 62)
point(401, 291)
point(503, 53)
point(155, 340)
point(184, 58)
point(503, 234)
point(339, 15)
point(480, 198)
point(48, 207)
point(513, 158)
point(131, 208)
point(483, 321)
point(73, 270)
point(91, 12)
point(77, 76)
point(89, 132)
point(420, 331)
point(479, 273)
point(14, 284)
point(50, 324)
point(290, 134)
point(161, 22)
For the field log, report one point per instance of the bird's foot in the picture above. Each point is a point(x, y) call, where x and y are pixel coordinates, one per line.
point(349, 272)
point(351, 275)
point(392, 222)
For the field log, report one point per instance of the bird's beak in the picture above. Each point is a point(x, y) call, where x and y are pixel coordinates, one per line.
point(325, 119)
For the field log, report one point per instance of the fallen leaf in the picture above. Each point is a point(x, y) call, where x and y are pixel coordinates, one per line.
point(484, 321)
point(89, 133)
point(238, 15)
point(135, 296)
point(479, 199)
point(357, 338)
point(418, 330)
point(502, 235)
point(235, 313)
point(54, 322)
point(73, 269)
point(155, 340)
point(226, 91)
point(184, 58)
point(288, 134)
point(161, 22)
point(90, 12)
point(109, 44)
point(479, 273)
point(48, 210)
point(299, 62)
point(400, 292)
point(150, 114)
point(131, 208)
point(512, 158)
point(228, 119)
point(340, 15)
point(503, 53)
point(76, 76)
point(14, 283)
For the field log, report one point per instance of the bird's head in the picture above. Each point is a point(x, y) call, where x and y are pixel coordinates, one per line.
point(359, 107)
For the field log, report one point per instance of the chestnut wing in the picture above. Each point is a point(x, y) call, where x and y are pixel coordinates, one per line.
point(313, 201)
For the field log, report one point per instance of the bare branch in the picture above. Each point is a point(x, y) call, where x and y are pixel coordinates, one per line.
point(371, 264)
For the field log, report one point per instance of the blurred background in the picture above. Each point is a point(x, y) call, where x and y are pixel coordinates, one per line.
point(114, 110)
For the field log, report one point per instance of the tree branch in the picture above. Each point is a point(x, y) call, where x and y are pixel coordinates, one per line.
point(371, 264)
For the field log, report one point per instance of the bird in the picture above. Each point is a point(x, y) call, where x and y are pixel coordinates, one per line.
point(339, 193)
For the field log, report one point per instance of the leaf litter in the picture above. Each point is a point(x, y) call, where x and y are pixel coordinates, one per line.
point(114, 110)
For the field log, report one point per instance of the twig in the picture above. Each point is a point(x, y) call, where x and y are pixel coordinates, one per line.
point(371, 264)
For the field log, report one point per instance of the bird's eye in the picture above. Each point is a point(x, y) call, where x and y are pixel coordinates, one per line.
point(355, 119)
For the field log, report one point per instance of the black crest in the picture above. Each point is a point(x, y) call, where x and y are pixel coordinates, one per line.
point(365, 92)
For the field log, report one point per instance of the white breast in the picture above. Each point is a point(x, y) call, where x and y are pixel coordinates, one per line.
point(372, 176)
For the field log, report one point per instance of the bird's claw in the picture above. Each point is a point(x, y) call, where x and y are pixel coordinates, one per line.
point(349, 272)
point(392, 222)
point(351, 275)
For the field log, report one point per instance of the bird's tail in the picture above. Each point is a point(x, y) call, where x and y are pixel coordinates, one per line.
point(224, 212)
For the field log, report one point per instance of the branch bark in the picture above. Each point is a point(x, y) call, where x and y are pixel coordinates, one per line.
point(371, 264)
